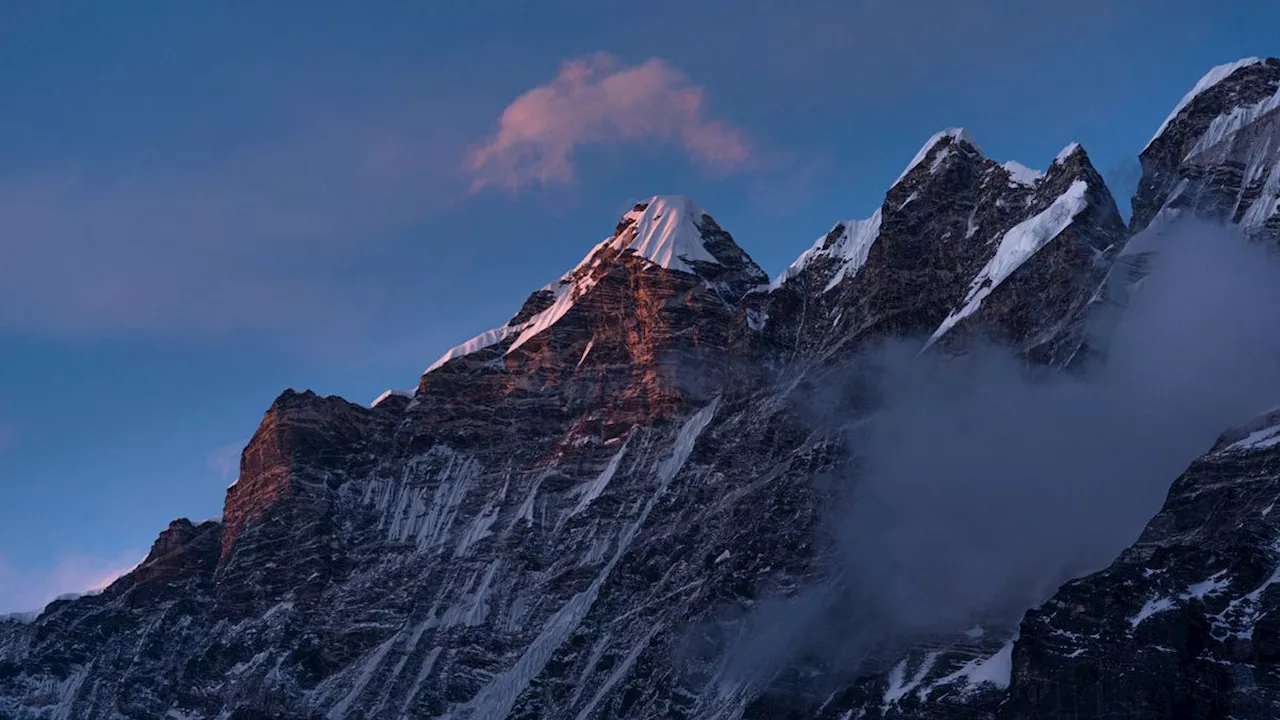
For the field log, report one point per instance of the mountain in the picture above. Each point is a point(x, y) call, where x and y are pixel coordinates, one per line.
point(1217, 154)
point(583, 513)
point(962, 244)
point(1184, 623)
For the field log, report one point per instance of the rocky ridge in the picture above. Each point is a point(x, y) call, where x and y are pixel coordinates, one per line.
point(571, 513)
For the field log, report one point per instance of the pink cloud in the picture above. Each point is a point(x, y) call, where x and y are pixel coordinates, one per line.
point(25, 589)
point(597, 100)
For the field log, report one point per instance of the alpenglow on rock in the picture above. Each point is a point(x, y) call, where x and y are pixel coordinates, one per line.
point(574, 515)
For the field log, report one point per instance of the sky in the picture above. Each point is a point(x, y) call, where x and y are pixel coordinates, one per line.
point(204, 204)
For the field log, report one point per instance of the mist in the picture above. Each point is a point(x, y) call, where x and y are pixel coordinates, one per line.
point(980, 485)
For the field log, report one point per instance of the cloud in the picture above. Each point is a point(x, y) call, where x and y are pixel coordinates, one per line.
point(599, 100)
point(268, 235)
point(226, 459)
point(982, 485)
point(24, 590)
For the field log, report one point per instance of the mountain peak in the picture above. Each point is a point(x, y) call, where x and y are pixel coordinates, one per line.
point(1219, 140)
point(670, 232)
point(1215, 75)
point(1068, 152)
point(941, 140)
point(666, 231)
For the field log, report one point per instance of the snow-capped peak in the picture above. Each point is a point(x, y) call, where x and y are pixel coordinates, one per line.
point(1211, 78)
point(849, 248)
point(1066, 153)
point(664, 230)
point(955, 135)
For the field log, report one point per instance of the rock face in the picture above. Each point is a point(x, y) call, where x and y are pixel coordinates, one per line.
point(573, 515)
point(962, 245)
point(1185, 623)
point(113, 654)
point(1217, 156)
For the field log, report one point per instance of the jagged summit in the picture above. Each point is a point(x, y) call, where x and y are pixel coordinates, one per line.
point(973, 227)
point(1215, 75)
point(1068, 152)
point(1216, 156)
point(844, 248)
point(667, 232)
point(938, 148)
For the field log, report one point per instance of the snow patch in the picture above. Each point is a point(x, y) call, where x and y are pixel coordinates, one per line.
point(366, 672)
point(996, 671)
point(1213, 586)
point(1242, 614)
point(585, 352)
point(479, 530)
point(619, 672)
point(899, 689)
point(597, 486)
point(427, 664)
point(1066, 152)
point(477, 343)
point(566, 297)
point(473, 608)
point(1020, 174)
point(394, 392)
point(850, 249)
point(1017, 246)
point(666, 233)
point(1256, 440)
point(1211, 78)
point(1151, 607)
point(1227, 124)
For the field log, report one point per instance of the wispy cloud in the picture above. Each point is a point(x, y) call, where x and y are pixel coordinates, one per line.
point(262, 236)
point(30, 589)
point(598, 100)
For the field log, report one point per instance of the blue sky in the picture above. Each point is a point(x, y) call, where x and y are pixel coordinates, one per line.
point(203, 204)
